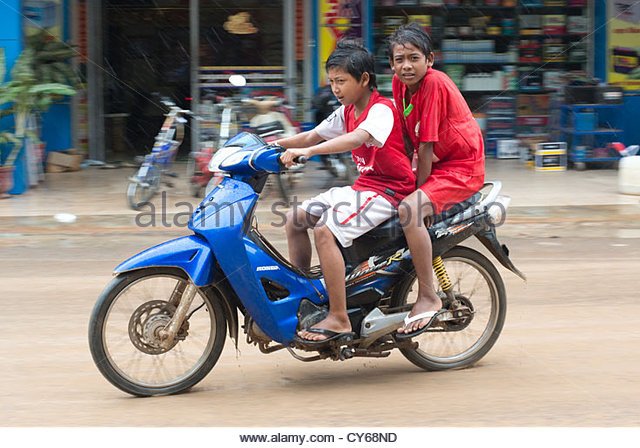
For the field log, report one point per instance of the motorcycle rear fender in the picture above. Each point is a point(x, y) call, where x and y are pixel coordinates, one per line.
point(489, 239)
point(191, 254)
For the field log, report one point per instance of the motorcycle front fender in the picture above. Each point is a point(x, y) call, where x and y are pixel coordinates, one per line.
point(192, 254)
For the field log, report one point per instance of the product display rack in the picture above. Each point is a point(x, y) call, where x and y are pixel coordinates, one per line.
point(489, 30)
point(583, 135)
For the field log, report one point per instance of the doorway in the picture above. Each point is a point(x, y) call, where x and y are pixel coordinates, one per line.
point(146, 59)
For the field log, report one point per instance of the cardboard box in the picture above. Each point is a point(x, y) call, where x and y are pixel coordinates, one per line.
point(60, 162)
point(508, 149)
point(533, 104)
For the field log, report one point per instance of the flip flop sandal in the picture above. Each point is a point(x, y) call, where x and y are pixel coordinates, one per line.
point(330, 334)
point(433, 317)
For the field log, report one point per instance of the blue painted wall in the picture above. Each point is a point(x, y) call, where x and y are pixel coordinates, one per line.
point(56, 123)
point(10, 30)
point(629, 119)
point(11, 41)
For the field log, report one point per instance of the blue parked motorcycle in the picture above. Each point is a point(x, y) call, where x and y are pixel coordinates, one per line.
point(160, 325)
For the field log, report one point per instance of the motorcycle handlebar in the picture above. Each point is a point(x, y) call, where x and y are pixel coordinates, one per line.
point(299, 160)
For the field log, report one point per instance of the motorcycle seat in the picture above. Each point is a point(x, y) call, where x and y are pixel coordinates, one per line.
point(389, 236)
point(391, 228)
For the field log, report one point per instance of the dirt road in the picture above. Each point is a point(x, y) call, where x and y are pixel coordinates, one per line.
point(568, 355)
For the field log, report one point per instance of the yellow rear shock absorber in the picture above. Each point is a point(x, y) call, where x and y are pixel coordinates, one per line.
point(441, 274)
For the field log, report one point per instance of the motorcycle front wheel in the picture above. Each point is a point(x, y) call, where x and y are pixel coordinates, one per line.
point(478, 287)
point(123, 333)
point(140, 191)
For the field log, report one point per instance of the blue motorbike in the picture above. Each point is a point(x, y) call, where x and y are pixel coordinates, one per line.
point(160, 326)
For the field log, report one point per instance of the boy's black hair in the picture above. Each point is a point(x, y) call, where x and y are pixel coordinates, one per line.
point(354, 59)
point(413, 34)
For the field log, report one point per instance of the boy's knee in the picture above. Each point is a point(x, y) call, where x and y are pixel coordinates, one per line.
point(407, 210)
point(322, 234)
point(295, 221)
point(404, 212)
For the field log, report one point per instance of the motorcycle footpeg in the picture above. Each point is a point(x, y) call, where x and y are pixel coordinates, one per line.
point(337, 344)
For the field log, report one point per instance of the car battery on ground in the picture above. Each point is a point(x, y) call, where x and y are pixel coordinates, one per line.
point(551, 156)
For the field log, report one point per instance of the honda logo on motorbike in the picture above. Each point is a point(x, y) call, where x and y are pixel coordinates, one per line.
point(267, 268)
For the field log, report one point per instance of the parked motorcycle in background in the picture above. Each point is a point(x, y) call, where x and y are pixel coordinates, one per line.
point(225, 113)
point(146, 182)
point(272, 122)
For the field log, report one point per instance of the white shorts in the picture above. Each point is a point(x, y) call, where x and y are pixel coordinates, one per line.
point(349, 213)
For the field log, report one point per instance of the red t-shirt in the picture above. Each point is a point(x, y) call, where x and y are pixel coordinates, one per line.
point(382, 162)
point(441, 115)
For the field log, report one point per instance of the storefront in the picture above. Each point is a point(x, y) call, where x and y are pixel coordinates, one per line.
point(134, 51)
point(180, 50)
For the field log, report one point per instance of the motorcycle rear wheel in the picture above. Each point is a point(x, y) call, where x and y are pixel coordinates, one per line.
point(476, 281)
point(124, 325)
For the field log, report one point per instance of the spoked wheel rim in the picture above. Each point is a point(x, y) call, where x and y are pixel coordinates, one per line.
point(129, 335)
point(474, 285)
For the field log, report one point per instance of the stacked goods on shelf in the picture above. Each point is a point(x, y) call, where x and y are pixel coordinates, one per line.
point(500, 123)
point(553, 79)
point(553, 50)
point(528, 48)
point(456, 51)
point(530, 51)
point(551, 40)
point(553, 24)
point(532, 123)
point(484, 81)
point(456, 73)
point(531, 79)
point(577, 25)
point(533, 104)
point(530, 25)
point(391, 23)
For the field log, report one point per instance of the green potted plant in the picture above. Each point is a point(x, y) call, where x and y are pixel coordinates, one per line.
point(22, 96)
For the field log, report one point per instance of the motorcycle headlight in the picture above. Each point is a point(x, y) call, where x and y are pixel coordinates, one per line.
point(220, 156)
point(232, 160)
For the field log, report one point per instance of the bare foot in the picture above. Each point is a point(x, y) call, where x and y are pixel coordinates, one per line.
point(422, 305)
point(331, 323)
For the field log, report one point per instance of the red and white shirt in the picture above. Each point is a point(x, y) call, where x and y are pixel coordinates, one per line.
point(440, 114)
point(382, 161)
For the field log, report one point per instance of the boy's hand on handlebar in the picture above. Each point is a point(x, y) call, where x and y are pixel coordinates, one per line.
point(288, 158)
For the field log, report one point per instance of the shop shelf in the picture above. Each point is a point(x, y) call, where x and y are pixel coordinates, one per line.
point(600, 131)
